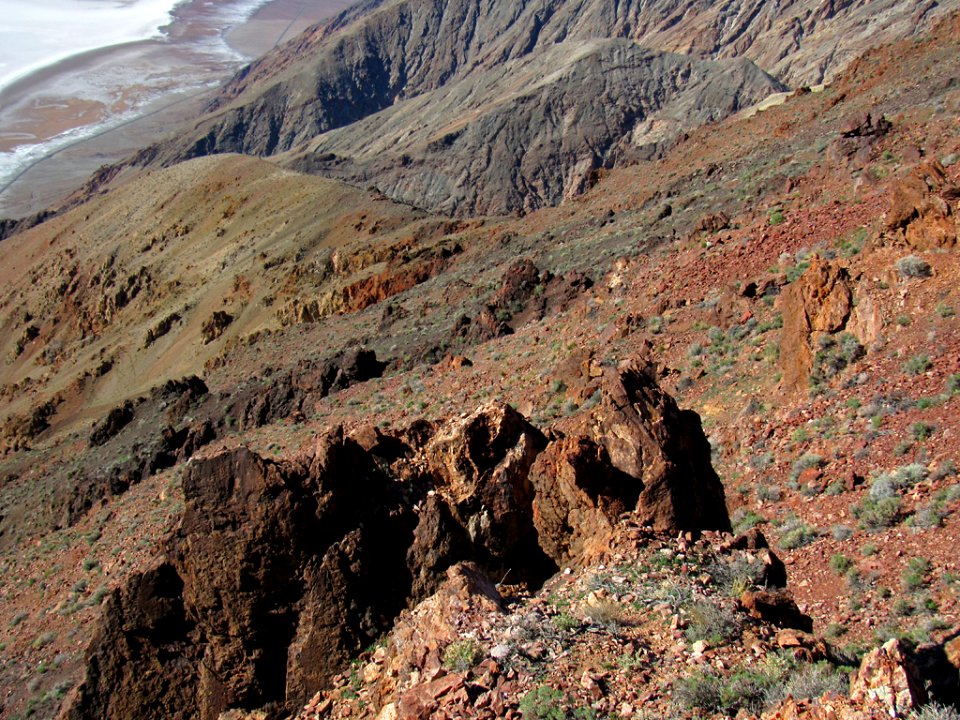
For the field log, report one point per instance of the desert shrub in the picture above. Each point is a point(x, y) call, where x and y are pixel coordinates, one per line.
point(795, 534)
point(547, 703)
point(840, 563)
point(744, 518)
point(805, 462)
point(917, 364)
point(915, 575)
point(921, 431)
point(565, 622)
point(768, 492)
point(833, 356)
point(461, 655)
point(608, 614)
point(755, 688)
point(912, 266)
point(841, 532)
point(711, 623)
point(930, 515)
point(737, 574)
point(809, 681)
point(947, 468)
point(934, 711)
point(875, 513)
point(777, 217)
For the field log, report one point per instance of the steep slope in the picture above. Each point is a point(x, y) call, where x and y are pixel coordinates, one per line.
point(151, 282)
point(448, 55)
point(790, 275)
point(533, 131)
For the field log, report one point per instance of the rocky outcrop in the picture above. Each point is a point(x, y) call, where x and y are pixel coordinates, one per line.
point(777, 608)
point(819, 302)
point(280, 572)
point(649, 438)
point(288, 395)
point(580, 495)
point(889, 677)
point(920, 210)
point(214, 326)
point(115, 421)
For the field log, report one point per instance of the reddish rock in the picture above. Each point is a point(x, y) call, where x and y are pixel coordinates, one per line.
point(714, 222)
point(480, 465)
point(888, 675)
point(215, 326)
point(819, 302)
point(919, 208)
point(579, 496)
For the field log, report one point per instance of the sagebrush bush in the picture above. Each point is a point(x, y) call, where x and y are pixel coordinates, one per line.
point(461, 655)
point(875, 514)
point(934, 711)
point(912, 266)
point(711, 623)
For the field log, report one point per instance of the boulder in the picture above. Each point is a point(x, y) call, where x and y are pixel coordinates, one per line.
point(819, 302)
point(215, 325)
point(919, 208)
point(579, 495)
point(480, 466)
point(888, 675)
point(649, 438)
point(776, 607)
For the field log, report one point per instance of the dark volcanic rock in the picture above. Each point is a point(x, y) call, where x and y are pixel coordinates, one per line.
point(648, 437)
point(115, 421)
point(280, 572)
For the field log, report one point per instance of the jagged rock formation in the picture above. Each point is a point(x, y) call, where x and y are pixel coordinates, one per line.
point(920, 209)
point(469, 107)
point(280, 571)
point(819, 302)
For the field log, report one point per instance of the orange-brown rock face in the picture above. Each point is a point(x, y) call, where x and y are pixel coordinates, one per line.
point(819, 302)
point(919, 208)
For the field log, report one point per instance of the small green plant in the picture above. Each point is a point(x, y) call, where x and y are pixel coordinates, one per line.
point(915, 575)
point(795, 534)
point(744, 518)
point(547, 703)
point(460, 656)
point(805, 462)
point(840, 564)
point(875, 513)
point(945, 311)
point(921, 431)
point(833, 356)
point(917, 365)
point(608, 614)
point(953, 383)
point(565, 622)
point(751, 689)
point(711, 623)
point(777, 217)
